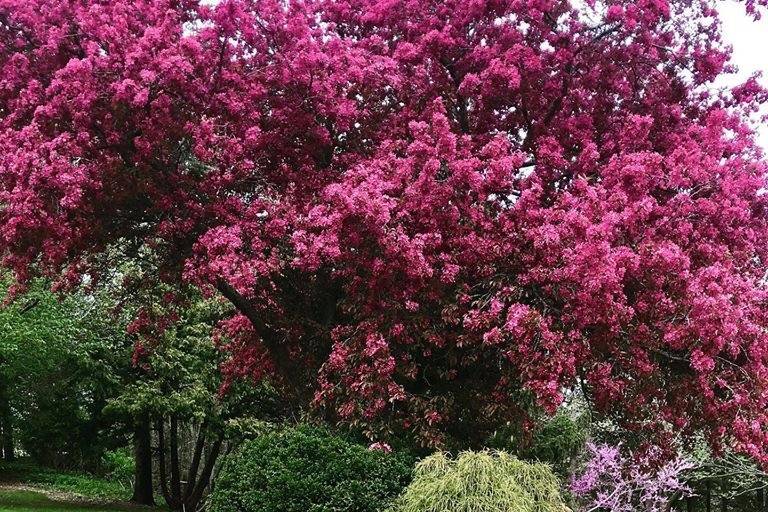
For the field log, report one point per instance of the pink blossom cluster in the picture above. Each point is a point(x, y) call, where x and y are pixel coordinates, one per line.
point(612, 482)
point(428, 215)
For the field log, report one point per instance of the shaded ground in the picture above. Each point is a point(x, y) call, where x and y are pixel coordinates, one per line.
point(24, 499)
point(25, 487)
point(23, 474)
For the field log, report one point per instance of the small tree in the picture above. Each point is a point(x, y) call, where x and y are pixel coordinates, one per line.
point(177, 392)
point(60, 362)
point(613, 482)
point(481, 481)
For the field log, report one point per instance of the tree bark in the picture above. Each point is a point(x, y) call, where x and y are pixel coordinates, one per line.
point(142, 449)
point(9, 453)
point(174, 447)
point(161, 455)
point(196, 456)
point(198, 475)
point(205, 475)
point(723, 498)
point(6, 420)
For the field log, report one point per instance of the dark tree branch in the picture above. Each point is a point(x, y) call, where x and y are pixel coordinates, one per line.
point(192, 475)
point(205, 475)
point(160, 428)
point(269, 336)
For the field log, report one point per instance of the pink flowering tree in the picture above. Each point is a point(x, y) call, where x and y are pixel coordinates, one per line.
point(612, 482)
point(429, 216)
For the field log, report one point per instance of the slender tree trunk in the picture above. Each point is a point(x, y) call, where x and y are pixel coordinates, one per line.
point(723, 498)
point(161, 455)
point(6, 420)
point(709, 496)
point(175, 475)
point(229, 446)
point(142, 449)
point(195, 464)
point(9, 453)
point(205, 475)
point(198, 477)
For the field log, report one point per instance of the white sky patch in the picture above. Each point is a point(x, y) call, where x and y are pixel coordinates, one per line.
point(749, 40)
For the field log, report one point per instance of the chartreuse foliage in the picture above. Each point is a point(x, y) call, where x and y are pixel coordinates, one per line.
point(306, 469)
point(481, 482)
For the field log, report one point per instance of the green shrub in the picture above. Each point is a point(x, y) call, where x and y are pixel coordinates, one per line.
point(306, 469)
point(119, 465)
point(481, 482)
point(558, 442)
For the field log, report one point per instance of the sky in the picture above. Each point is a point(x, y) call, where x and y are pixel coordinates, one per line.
point(749, 40)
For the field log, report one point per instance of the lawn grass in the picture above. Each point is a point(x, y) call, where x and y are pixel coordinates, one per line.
point(12, 500)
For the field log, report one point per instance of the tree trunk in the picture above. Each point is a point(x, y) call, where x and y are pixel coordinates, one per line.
point(161, 455)
point(723, 498)
point(196, 456)
point(175, 475)
point(205, 475)
point(187, 497)
point(6, 420)
point(142, 450)
point(8, 445)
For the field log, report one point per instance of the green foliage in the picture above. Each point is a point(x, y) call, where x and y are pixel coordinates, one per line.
point(58, 357)
point(558, 442)
point(32, 501)
point(118, 465)
point(481, 482)
point(307, 469)
point(83, 485)
point(181, 374)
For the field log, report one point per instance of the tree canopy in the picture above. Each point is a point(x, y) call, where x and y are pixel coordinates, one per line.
point(430, 215)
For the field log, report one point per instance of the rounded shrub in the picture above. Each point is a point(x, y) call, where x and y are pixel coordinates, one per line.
point(307, 469)
point(481, 482)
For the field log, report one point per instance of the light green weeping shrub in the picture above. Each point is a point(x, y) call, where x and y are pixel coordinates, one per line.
point(481, 482)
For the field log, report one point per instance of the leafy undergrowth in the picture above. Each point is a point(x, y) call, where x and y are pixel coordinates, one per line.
point(86, 486)
point(13, 500)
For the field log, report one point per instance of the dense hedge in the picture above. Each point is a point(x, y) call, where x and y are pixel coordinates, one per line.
point(307, 469)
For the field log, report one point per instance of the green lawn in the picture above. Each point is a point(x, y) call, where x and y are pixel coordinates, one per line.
point(31, 501)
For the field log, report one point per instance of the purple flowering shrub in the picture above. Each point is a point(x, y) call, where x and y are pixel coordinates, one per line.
point(611, 481)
